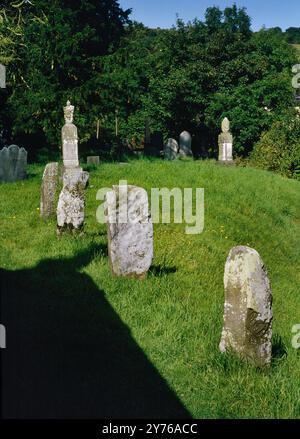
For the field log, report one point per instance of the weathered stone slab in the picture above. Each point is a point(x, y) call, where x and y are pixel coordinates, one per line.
point(71, 203)
point(48, 190)
point(93, 160)
point(185, 144)
point(247, 329)
point(130, 231)
point(171, 150)
point(13, 164)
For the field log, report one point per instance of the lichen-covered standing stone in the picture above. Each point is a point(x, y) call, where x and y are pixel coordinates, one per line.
point(171, 149)
point(48, 190)
point(71, 203)
point(247, 329)
point(130, 231)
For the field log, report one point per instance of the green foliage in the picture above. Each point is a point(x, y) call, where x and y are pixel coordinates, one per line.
point(293, 35)
point(279, 148)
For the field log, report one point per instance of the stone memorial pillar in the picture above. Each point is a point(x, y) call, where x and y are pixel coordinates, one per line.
point(225, 143)
point(69, 139)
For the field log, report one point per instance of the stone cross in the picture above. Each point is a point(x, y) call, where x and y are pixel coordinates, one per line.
point(130, 231)
point(171, 149)
point(69, 139)
point(247, 329)
point(48, 190)
point(185, 144)
point(225, 143)
point(71, 203)
point(13, 164)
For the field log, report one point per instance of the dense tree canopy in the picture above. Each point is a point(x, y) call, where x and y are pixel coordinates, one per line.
point(188, 77)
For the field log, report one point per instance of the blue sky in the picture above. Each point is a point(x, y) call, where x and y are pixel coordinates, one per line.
point(162, 13)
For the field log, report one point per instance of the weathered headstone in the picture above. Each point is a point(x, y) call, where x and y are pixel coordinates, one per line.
point(225, 143)
point(71, 203)
point(13, 164)
point(93, 160)
point(70, 139)
point(185, 144)
point(171, 149)
point(130, 231)
point(247, 329)
point(48, 190)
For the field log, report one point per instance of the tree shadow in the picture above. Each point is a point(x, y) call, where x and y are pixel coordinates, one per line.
point(68, 353)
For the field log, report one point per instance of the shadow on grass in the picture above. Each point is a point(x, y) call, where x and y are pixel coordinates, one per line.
point(68, 353)
point(279, 349)
point(159, 270)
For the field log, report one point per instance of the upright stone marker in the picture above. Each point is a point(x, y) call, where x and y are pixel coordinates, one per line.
point(93, 160)
point(185, 144)
point(171, 150)
point(48, 190)
point(70, 139)
point(247, 329)
point(71, 203)
point(13, 164)
point(130, 231)
point(225, 143)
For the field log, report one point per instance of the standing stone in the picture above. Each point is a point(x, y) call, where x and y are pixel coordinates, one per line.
point(71, 203)
point(247, 329)
point(93, 160)
point(13, 164)
point(130, 231)
point(70, 139)
point(185, 144)
point(171, 149)
point(225, 143)
point(48, 190)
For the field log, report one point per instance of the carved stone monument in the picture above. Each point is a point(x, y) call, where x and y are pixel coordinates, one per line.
point(130, 231)
point(247, 329)
point(185, 144)
point(13, 164)
point(225, 143)
point(69, 139)
point(48, 190)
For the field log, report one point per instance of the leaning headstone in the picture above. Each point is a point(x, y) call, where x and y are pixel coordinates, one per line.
point(247, 329)
point(48, 190)
point(93, 160)
point(171, 149)
point(13, 164)
point(71, 203)
point(69, 139)
point(130, 231)
point(225, 143)
point(185, 144)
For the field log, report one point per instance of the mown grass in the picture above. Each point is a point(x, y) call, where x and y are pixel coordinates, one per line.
point(175, 315)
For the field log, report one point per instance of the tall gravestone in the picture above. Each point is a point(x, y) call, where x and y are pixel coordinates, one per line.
point(225, 142)
point(171, 150)
point(48, 190)
point(247, 329)
point(69, 139)
point(185, 144)
point(71, 203)
point(130, 231)
point(13, 164)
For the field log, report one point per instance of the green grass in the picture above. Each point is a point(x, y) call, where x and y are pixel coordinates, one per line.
point(175, 315)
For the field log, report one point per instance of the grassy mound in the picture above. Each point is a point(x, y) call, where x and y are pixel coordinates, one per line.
point(81, 323)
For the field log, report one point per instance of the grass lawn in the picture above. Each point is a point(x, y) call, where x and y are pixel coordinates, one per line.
point(120, 347)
